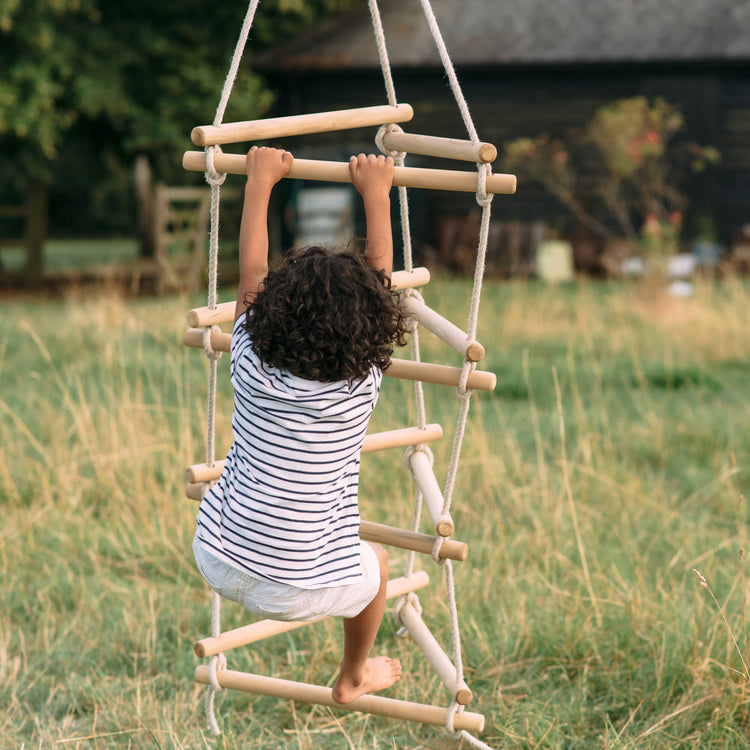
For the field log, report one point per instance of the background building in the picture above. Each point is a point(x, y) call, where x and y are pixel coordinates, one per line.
point(530, 68)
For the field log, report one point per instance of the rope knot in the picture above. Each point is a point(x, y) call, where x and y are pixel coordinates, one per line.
point(421, 448)
point(218, 661)
point(213, 178)
point(452, 711)
point(411, 322)
point(392, 127)
point(464, 393)
point(484, 198)
point(437, 545)
point(410, 598)
point(208, 348)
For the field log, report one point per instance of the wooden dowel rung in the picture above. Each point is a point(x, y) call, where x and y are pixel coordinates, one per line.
point(411, 620)
point(470, 349)
point(406, 584)
point(431, 492)
point(401, 438)
point(259, 631)
point(199, 317)
point(243, 636)
point(332, 171)
point(410, 279)
point(412, 540)
point(375, 441)
point(399, 368)
point(224, 312)
point(428, 372)
point(370, 704)
point(200, 473)
point(447, 148)
point(315, 122)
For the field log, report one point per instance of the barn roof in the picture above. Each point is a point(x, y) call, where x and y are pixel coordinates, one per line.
point(526, 32)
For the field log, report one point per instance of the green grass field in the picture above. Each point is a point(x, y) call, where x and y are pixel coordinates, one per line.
point(64, 255)
point(608, 464)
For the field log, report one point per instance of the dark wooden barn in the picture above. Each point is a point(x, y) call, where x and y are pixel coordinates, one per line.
point(533, 67)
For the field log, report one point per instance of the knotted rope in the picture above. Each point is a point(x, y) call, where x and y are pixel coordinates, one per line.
point(484, 200)
point(215, 180)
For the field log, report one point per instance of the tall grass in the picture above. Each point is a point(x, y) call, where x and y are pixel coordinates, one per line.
point(612, 459)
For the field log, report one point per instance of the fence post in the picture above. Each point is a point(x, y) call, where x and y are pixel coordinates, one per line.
point(36, 231)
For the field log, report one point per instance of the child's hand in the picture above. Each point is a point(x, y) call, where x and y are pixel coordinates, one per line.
point(266, 166)
point(371, 175)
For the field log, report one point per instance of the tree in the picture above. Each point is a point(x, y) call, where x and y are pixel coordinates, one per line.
point(87, 85)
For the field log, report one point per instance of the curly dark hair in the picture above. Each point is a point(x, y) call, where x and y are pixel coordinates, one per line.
point(325, 316)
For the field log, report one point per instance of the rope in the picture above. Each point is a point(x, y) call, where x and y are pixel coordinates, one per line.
point(450, 71)
point(403, 196)
point(484, 200)
point(215, 180)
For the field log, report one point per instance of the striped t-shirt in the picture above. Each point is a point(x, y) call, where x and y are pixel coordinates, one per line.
point(285, 507)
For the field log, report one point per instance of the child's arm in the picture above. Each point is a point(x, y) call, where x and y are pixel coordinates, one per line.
point(265, 167)
point(373, 176)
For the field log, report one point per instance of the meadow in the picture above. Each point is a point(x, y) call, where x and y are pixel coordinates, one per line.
point(610, 463)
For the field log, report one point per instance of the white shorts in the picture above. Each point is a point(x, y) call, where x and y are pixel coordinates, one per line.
point(280, 601)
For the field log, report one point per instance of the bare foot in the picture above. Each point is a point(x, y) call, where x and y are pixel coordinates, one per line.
point(379, 673)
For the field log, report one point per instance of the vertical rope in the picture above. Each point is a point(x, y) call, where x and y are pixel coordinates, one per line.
point(385, 63)
point(390, 88)
point(449, 70)
point(484, 169)
point(212, 177)
point(213, 359)
point(484, 232)
point(418, 389)
point(215, 180)
point(463, 393)
point(450, 481)
point(403, 198)
point(236, 59)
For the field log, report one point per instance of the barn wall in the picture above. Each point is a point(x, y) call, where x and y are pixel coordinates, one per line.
point(513, 102)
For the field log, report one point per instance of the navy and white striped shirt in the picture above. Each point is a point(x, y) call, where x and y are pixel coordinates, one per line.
point(285, 507)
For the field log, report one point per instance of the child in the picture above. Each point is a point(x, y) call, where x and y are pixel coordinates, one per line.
point(278, 533)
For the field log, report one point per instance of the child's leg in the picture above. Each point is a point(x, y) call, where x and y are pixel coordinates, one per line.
point(359, 674)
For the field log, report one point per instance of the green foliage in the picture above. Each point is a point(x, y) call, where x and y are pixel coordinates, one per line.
point(88, 84)
point(611, 461)
point(39, 57)
point(622, 174)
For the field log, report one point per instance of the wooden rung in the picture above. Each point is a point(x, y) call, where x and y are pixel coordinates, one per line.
point(376, 441)
point(401, 438)
point(369, 704)
point(447, 148)
point(413, 540)
point(224, 312)
point(259, 631)
point(431, 492)
point(405, 369)
point(316, 122)
point(199, 317)
point(200, 473)
point(428, 372)
point(333, 171)
point(411, 620)
point(470, 349)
